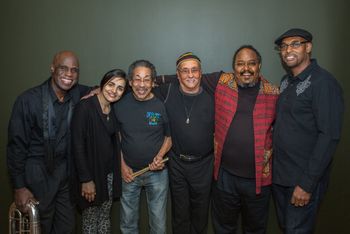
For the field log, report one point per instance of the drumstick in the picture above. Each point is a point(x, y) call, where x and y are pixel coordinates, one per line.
point(140, 172)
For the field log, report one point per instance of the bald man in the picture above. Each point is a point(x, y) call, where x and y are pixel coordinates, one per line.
point(39, 144)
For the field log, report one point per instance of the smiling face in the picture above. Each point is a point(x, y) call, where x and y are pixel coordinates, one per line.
point(246, 67)
point(113, 90)
point(189, 74)
point(64, 72)
point(296, 58)
point(142, 83)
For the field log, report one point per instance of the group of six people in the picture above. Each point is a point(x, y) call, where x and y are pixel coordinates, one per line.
point(232, 140)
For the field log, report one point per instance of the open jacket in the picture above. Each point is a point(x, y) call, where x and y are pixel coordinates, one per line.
point(88, 134)
point(226, 99)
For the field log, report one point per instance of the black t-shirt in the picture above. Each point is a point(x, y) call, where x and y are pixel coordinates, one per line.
point(143, 125)
point(195, 137)
point(238, 155)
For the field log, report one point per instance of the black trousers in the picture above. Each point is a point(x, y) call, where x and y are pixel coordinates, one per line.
point(56, 210)
point(190, 186)
point(232, 196)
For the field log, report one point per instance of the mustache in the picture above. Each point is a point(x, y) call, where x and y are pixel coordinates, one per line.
point(247, 71)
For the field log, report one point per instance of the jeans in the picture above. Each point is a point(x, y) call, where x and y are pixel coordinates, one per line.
point(156, 188)
point(297, 220)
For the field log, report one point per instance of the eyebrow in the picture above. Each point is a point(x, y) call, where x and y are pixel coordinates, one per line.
point(183, 68)
point(250, 60)
point(146, 76)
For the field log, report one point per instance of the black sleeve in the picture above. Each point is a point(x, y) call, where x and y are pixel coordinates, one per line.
point(166, 123)
point(210, 81)
point(18, 141)
point(84, 90)
point(162, 91)
point(79, 141)
point(328, 109)
point(165, 79)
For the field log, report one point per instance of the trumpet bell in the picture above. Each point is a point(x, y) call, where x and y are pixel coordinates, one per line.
point(20, 223)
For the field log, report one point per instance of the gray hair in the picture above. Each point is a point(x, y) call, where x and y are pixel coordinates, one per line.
point(142, 63)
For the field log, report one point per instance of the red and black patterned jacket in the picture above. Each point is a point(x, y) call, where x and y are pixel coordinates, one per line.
point(226, 97)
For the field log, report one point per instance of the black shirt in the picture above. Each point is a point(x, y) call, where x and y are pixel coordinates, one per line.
point(307, 130)
point(62, 120)
point(238, 156)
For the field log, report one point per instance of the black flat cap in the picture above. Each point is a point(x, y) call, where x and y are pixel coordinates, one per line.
point(294, 32)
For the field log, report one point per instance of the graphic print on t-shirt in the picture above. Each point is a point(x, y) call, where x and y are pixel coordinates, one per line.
point(153, 118)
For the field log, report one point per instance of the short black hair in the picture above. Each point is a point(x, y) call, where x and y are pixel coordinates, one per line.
point(142, 63)
point(246, 47)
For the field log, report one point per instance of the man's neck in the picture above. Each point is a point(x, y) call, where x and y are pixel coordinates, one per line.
point(190, 91)
point(149, 97)
point(58, 92)
point(299, 69)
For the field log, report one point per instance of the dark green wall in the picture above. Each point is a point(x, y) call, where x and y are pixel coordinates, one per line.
point(112, 33)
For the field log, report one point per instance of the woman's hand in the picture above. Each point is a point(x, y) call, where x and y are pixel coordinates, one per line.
point(88, 191)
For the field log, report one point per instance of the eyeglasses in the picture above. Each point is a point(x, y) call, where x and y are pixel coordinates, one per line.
point(146, 81)
point(293, 44)
point(188, 71)
point(64, 69)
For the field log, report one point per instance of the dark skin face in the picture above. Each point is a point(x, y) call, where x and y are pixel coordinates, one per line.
point(247, 67)
point(64, 72)
point(296, 59)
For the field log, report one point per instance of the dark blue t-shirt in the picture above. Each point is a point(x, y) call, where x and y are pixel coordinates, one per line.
point(143, 124)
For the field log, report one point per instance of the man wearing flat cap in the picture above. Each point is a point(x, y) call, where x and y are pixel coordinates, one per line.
point(190, 110)
point(307, 130)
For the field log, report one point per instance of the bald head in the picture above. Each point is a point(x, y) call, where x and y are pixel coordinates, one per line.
point(64, 71)
point(62, 55)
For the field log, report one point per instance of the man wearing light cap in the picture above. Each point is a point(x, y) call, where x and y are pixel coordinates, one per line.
point(190, 111)
point(307, 130)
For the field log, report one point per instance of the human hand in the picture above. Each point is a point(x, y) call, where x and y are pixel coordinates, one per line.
point(127, 173)
point(300, 197)
point(93, 92)
point(88, 191)
point(22, 198)
point(157, 163)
